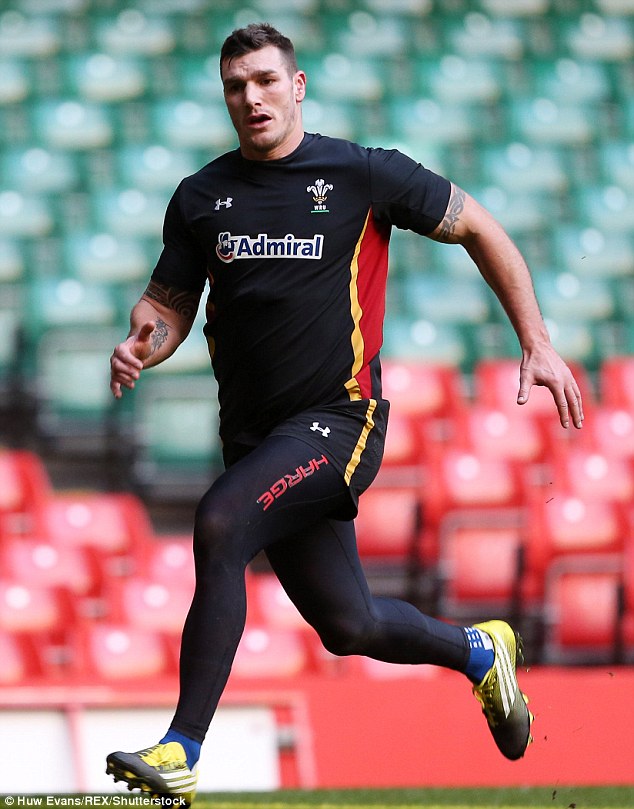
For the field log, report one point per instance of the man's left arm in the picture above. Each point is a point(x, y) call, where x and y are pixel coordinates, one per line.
point(504, 269)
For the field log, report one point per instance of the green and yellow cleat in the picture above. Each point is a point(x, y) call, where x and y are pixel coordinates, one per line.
point(161, 771)
point(503, 704)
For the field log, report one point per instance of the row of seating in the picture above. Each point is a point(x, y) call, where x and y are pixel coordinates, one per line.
point(464, 482)
point(489, 28)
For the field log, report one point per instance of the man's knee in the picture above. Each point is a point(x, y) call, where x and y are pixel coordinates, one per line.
point(215, 528)
point(348, 635)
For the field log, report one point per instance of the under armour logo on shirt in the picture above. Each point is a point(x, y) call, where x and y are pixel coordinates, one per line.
point(325, 431)
point(223, 203)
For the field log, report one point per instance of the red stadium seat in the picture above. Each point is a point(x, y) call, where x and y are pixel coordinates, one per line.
point(19, 659)
point(24, 483)
point(266, 651)
point(117, 652)
point(499, 433)
point(611, 430)
point(170, 558)
point(481, 566)
point(39, 563)
point(459, 479)
point(561, 524)
point(158, 606)
point(388, 525)
point(616, 382)
point(31, 609)
point(590, 473)
point(582, 602)
point(496, 383)
point(269, 603)
point(422, 389)
point(115, 525)
point(421, 396)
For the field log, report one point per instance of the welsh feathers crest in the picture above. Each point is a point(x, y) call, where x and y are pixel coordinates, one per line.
point(320, 194)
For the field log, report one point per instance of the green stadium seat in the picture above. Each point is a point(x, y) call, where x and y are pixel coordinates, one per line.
point(441, 298)
point(188, 124)
point(362, 34)
point(72, 376)
point(518, 213)
point(568, 297)
point(15, 83)
point(38, 170)
point(98, 257)
point(130, 212)
point(330, 118)
point(515, 8)
point(608, 208)
point(456, 80)
point(567, 80)
point(12, 304)
point(402, 8)
point(410, 338)
point(523, 168)
point(29, 36)
point(428, 121)
point(71, 124)
point(616, 160)
point(199, 77)
point(176, 418)
point(615, 7)
point(132, 31)
point(54, 303)
point(478, 35)
point(542, 121)
point(153, 167)
point(587, 251)
point(12, 265)
point(24, 216)
point(343, 77)
point(596, 36)
point(451, 258)
point(102, 77)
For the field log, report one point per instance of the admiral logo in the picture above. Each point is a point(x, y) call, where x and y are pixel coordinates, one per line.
point(232, 248)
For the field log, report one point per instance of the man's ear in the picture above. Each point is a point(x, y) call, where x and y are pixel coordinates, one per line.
point(300, 85)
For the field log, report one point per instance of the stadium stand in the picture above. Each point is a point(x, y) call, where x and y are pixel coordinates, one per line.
point(104, 106)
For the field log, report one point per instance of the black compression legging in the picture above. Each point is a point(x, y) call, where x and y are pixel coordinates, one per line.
point(316, 560)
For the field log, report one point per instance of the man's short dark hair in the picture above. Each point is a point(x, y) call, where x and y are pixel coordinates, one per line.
point(253, 38)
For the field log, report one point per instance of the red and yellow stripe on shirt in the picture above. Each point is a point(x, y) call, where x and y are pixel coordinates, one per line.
point(368, 279)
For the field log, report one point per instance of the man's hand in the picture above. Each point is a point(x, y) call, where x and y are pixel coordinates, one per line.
point(126, 362)
point(542, 365)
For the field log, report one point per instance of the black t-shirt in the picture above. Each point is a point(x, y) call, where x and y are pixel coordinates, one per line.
point(295, 252)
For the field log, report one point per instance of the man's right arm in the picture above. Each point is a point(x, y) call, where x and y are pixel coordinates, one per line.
point(159, 323)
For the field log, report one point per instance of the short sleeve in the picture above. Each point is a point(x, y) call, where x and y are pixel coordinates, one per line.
point(182, 262)
point(405, 193)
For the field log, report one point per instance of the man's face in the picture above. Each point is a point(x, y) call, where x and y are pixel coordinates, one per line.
point(263, 100)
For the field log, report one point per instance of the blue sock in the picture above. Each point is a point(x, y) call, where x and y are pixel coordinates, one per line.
point(191, 747)
point(481, 654)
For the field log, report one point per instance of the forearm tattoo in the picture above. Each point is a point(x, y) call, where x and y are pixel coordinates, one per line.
point(454, 209)
point(159, 335)
point(183, 302)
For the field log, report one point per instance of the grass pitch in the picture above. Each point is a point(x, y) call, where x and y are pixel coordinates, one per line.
point(534, 798)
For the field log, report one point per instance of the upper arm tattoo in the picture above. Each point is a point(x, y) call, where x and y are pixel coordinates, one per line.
point(182, 301)
point(454, 208)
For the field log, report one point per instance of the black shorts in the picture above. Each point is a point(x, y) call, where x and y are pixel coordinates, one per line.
point(351, 434)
